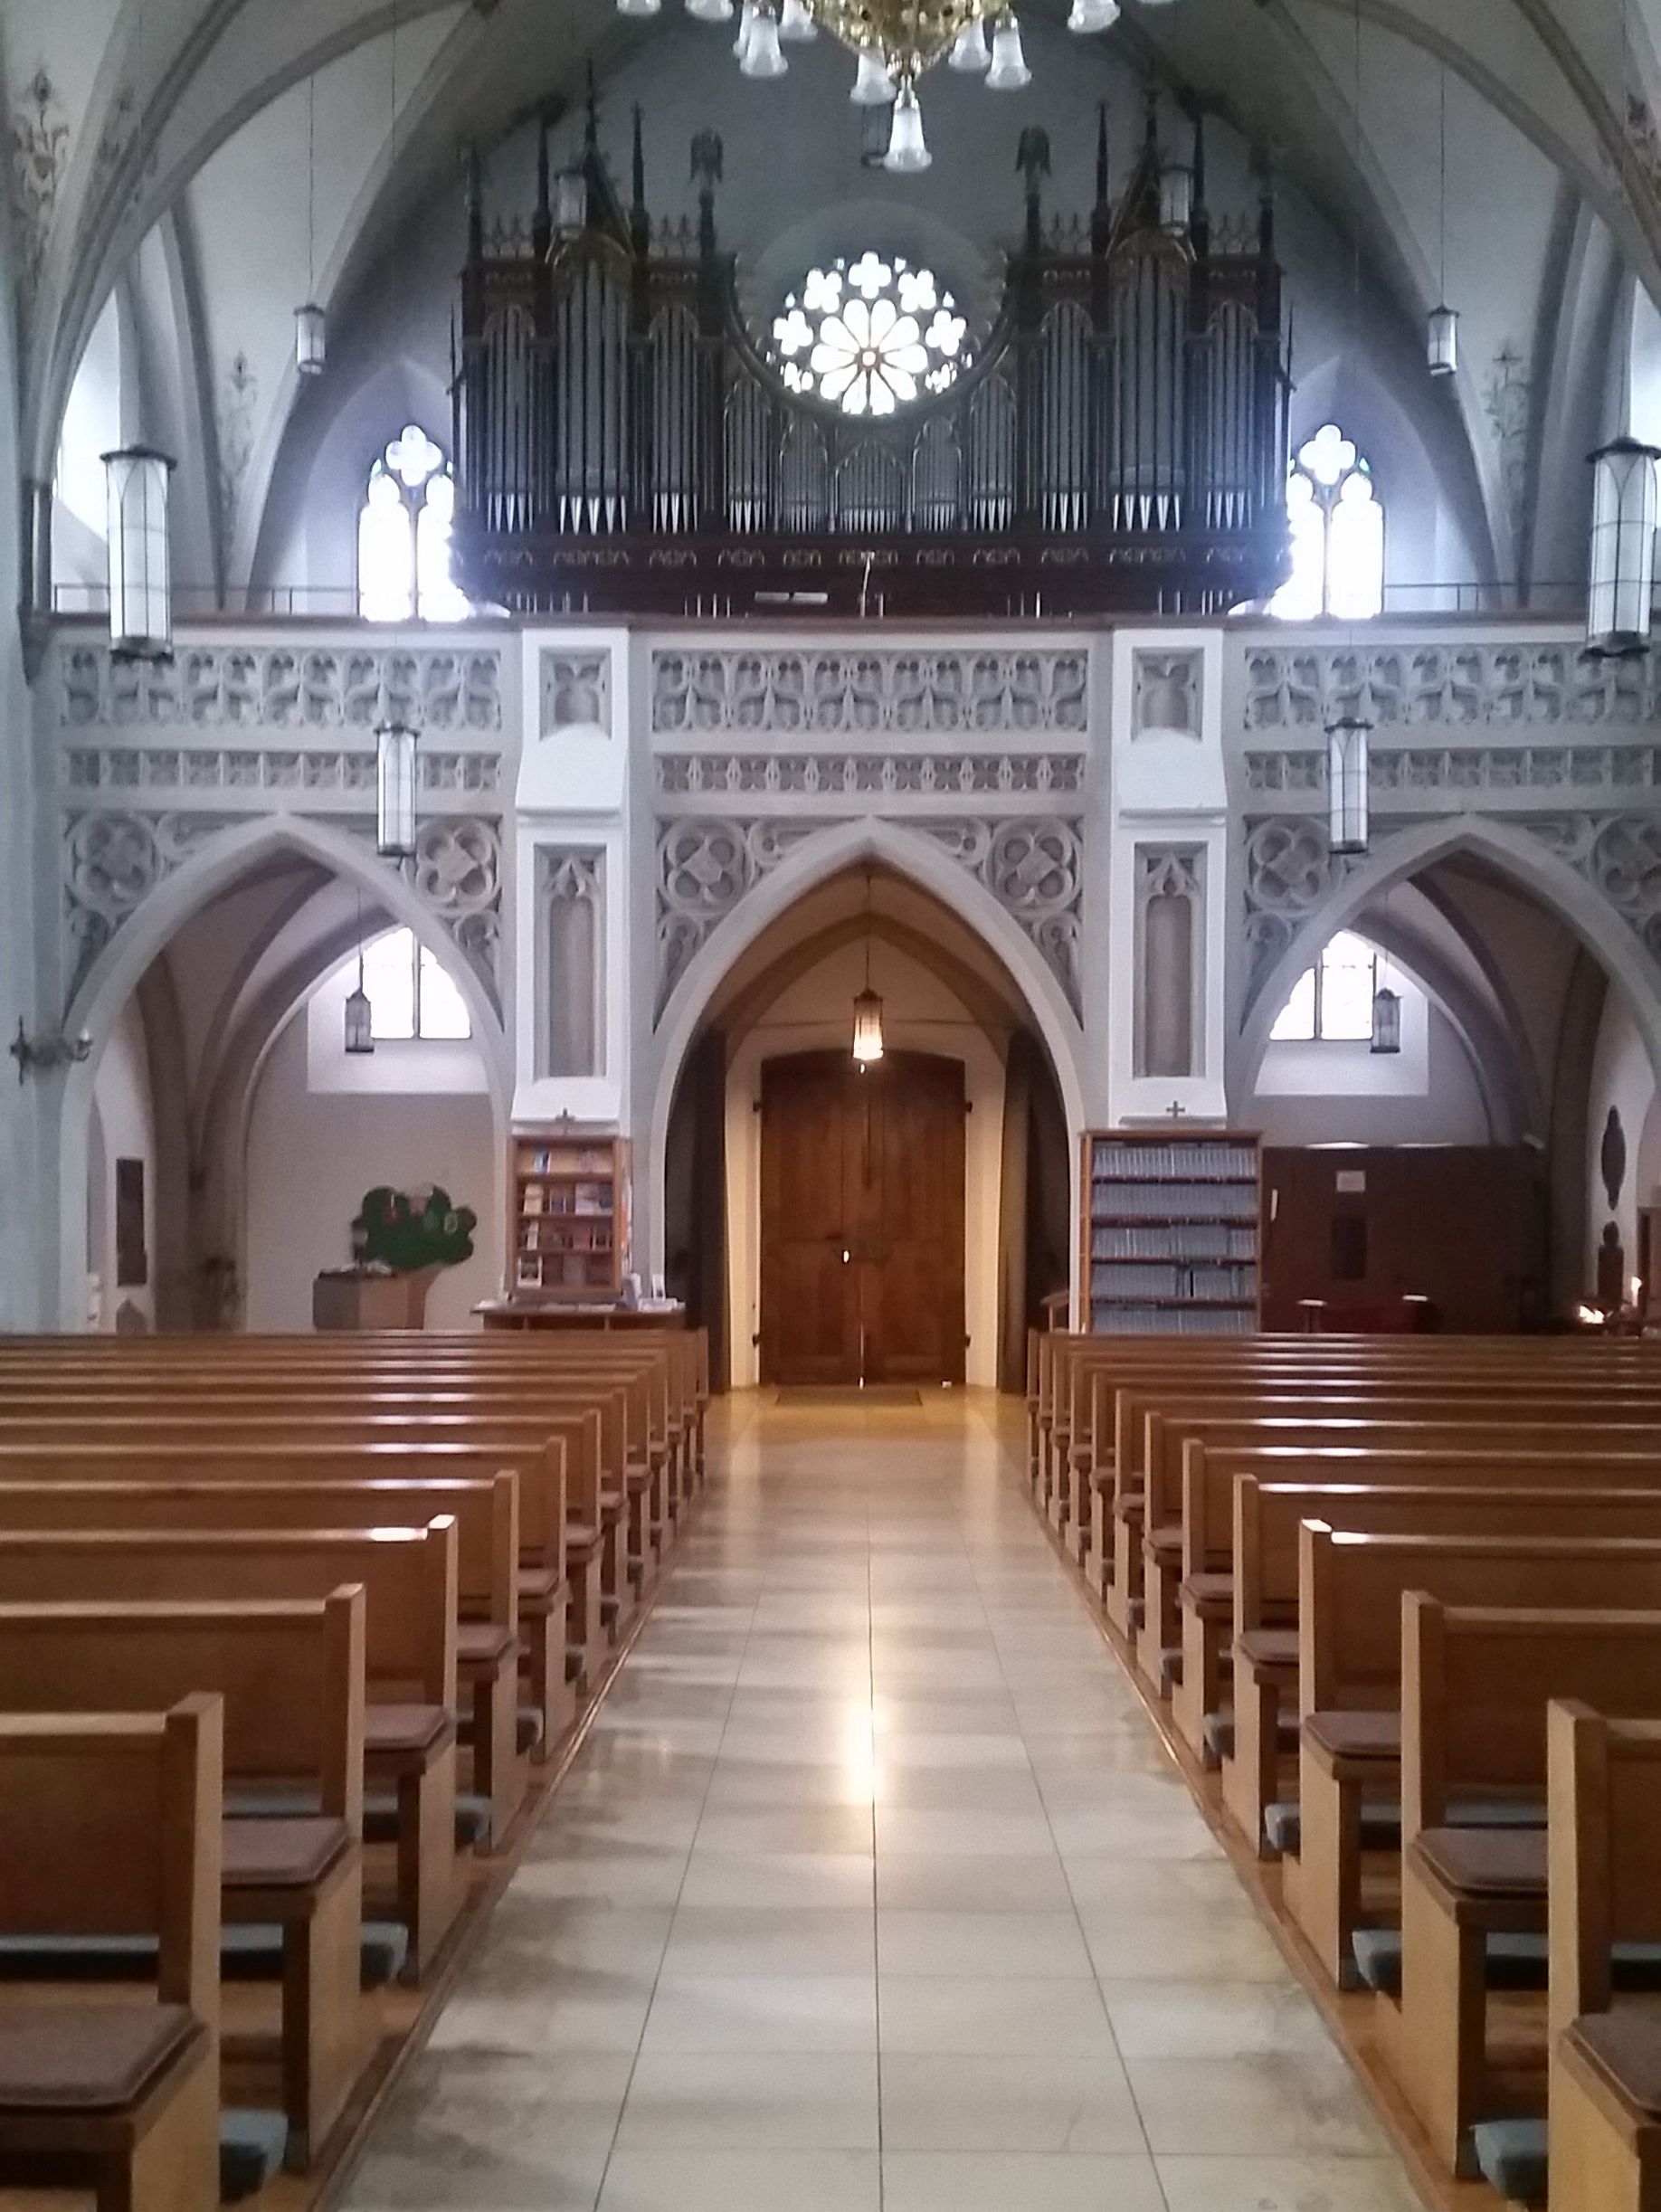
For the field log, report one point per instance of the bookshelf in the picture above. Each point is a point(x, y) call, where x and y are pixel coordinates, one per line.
point(1172, 1230)
point(568, 1234)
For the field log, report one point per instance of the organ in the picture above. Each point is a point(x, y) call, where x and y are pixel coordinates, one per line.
point(627, 442)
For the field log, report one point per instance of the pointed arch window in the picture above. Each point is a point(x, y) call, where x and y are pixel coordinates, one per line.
point(411, 995)
point(1337, 523)
point(1331, 1002)
point(403, 533)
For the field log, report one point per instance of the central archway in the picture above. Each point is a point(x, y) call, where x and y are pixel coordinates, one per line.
point(960, 978)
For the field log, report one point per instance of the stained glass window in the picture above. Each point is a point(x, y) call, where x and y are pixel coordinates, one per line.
point(871, 334)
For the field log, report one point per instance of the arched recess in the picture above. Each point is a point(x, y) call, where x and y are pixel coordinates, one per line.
point(829, 852)
point(117, 973)
point(1531, 866)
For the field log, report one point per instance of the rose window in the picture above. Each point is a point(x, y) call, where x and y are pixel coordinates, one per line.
point(871, 335)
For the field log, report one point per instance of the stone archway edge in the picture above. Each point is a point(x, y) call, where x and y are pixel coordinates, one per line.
point(219, 859)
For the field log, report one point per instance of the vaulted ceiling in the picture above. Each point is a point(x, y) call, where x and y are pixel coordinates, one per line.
point(165, 144)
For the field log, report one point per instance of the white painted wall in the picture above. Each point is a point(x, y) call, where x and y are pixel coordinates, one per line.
point(312, 1154)
point(408, 1068)
point(1324, 1094)
point(920, 1014)
point(1621, 1077)
point(126, 1117)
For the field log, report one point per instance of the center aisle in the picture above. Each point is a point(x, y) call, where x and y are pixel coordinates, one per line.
point(874, 1887)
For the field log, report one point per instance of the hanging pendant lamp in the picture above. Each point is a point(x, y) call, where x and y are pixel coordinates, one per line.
point(395, 748)
point(867, 1046)
point(1623, 549)
point(1442, 323)
point(1386, 1036)
point(311, 321)
point(137, 481)
point(1348, 773)
point(359, 1012)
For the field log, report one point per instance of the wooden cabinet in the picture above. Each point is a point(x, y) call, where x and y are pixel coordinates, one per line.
point(1403, 1237)
point(568, 1226)
point(1171, 1228)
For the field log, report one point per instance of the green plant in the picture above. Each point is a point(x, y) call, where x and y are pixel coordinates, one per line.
point(410, 1230)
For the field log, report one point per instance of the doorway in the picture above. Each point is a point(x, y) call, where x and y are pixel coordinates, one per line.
point(862, 1220)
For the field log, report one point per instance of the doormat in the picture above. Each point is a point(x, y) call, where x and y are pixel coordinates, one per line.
point(848, 1397)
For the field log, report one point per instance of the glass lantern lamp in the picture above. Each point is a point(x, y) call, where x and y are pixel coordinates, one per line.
point(395, 745)
point(138, 482)
point(1176, 199)
point(1442, 341)
point(570, 210)
point(1386, 1036)
point(360, 1015)
point(866, 1028)
point(1623, 549)
point(1348, 766)
point(311, 339)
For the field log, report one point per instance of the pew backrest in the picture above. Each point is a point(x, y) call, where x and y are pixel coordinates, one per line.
point(109, 1826)
point(1603, 1819)
point(1350, 1587)
point(291, 1677)
point(1476, 1683)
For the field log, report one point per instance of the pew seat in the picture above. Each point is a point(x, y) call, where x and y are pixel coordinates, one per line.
point(99, 2058)
point(90, 2058)
point(102, 2058)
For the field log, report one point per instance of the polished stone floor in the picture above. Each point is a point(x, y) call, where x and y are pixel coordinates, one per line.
point(873, 1887)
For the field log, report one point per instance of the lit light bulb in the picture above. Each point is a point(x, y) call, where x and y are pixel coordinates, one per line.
point(1008, 71)
point(746, 24)
point(710, 11)
point(908, 150)
point(1090, 15)
point(761, 56)
point(969, 52)
point(796, 24)
point(873, 86)
point(638, 7)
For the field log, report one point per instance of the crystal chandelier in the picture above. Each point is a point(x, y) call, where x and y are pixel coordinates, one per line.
point(892, 41)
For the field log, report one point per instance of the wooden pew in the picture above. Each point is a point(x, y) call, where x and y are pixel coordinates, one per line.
point(291, 1677)
point(485, 1514)
point(1089, 1372)
point(566, 1507)
point(1350, 1593)
point(409, 1578)
point(1148, 1515)
point(1517, 1496)
point(1476, 1684)
point(638, 1439)
point(1604, 1795)
point(110, 1827)
point(563, 1562)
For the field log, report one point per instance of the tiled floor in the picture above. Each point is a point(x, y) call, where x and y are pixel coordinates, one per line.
point(873, 1887)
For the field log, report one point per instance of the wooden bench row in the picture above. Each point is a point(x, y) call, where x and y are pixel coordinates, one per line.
point(1450, 1555)
point(367, 1556)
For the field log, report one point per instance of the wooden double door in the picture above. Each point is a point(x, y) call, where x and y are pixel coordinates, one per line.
point(862, 1220)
